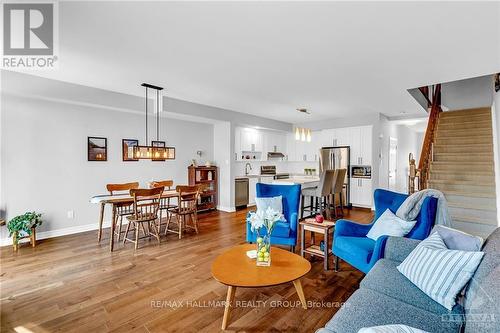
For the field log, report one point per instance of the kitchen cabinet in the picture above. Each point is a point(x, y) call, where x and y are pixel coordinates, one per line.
point(361, 145)
point(252, 185)
point(274, 142)
point(251, 140)
point(342, 136)
point(361, 192)
point(366, 145)
point(248, 140)
point(303, 151)
point(327, 137)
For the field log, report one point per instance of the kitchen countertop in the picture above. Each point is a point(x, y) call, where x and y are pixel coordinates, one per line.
point(302, 180)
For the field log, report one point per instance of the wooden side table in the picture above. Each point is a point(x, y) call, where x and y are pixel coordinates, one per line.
point(320, 228)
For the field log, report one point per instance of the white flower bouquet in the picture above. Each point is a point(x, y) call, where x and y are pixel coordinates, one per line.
point(264, 219)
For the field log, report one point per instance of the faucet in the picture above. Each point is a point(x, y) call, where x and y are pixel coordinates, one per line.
point(248, 167)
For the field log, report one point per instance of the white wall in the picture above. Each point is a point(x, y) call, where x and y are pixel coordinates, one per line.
point(44, 157)
point(409, 141)
point(222, 157)
point(496, 145)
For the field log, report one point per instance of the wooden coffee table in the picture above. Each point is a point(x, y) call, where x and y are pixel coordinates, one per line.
point(234, 269)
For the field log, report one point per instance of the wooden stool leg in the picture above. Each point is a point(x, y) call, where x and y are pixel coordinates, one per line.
point(181, 219)
point(168, 222)
point(136, 236)
point(300, 292)
point(33, 237)
point(15, 240)
point(195, 221)
point(126, 232)
point(120, 227)
point(101, 217)
point(227, 309)
point(302, 207)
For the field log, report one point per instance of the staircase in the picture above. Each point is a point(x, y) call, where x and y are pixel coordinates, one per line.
point(462, 168)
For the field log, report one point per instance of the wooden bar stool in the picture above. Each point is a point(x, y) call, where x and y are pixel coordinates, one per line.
point(166, 204)
point(319, 195)
point(187, 199)
point(121, 209)
point(146, 206)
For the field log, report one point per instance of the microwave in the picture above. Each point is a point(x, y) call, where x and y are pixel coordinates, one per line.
point(361, 171)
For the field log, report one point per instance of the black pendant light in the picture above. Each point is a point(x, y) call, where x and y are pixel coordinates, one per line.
point(157, 150)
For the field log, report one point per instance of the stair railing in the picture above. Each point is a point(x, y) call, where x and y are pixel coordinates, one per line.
point(427, 152)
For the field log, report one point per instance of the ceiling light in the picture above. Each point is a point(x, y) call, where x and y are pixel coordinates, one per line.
point(157, 150)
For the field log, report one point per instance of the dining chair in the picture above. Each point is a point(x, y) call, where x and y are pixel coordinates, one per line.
point(145, 212)
point(187, 198)
point(337, 188)
point(165, 203)
point(121, 209)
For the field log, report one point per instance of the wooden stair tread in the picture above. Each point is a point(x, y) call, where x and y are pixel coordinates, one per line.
point(471, 206)
point(463, 182)
point(469, 194)
point(473, 219)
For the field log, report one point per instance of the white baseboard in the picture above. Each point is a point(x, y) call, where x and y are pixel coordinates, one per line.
point(226, 209)
point(59, 232)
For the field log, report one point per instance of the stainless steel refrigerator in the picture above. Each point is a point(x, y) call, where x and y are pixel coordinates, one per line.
point(331, 158)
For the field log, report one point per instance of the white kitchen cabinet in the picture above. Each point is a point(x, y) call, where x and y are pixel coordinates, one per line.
point(342, 136)
point(314, 146)
point(327, 137)
point(361, 192)
point(361, 145)
point(355, 144)
point(274, 142)
point(366, 145)
point(252, 182)
point(251, 140)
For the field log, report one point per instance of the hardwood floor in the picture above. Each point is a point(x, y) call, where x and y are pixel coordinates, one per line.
point(72, 284)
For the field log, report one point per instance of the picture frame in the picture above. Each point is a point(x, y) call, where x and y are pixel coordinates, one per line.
point(97, 149)
point(128, 150)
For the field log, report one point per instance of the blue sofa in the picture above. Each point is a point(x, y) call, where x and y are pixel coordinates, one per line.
point(387, 297)
point(285, 232)
point(351, 244)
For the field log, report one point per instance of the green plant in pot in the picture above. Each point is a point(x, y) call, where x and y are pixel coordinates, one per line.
point(23, 225)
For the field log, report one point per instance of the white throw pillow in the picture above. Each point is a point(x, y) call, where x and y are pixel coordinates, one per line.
point(439, 272)
point(276, 203)
point(391, 329)
point(391, 225)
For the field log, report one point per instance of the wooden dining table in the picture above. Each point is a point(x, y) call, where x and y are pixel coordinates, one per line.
point(114, 201)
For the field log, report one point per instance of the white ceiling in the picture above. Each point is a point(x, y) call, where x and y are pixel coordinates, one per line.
point(266, 59)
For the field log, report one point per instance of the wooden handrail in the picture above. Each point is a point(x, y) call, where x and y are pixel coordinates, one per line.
point(426, 152)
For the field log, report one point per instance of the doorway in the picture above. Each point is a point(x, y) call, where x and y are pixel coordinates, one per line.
point(393, 162)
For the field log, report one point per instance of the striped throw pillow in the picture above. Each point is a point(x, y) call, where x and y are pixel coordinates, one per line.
point(391, 329)
point(438, 272)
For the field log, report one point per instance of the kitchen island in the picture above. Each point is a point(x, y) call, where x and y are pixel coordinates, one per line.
point(305, 181)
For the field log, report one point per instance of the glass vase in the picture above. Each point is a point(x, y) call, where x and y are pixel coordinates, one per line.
point(264, 251)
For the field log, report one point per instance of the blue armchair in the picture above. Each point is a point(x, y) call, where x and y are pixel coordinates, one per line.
point(351, 244)
point(285, 232)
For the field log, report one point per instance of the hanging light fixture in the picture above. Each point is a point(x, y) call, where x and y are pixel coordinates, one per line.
point(297, 133)
point(157, 150)
point(303, 134)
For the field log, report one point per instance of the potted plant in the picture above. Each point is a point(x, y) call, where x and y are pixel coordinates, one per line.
point(23, 226)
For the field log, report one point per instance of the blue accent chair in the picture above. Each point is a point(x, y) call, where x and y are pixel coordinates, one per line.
point(284, 232)
point(351, 244)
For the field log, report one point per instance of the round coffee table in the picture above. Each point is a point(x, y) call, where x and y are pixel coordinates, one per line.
point(234, 269)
